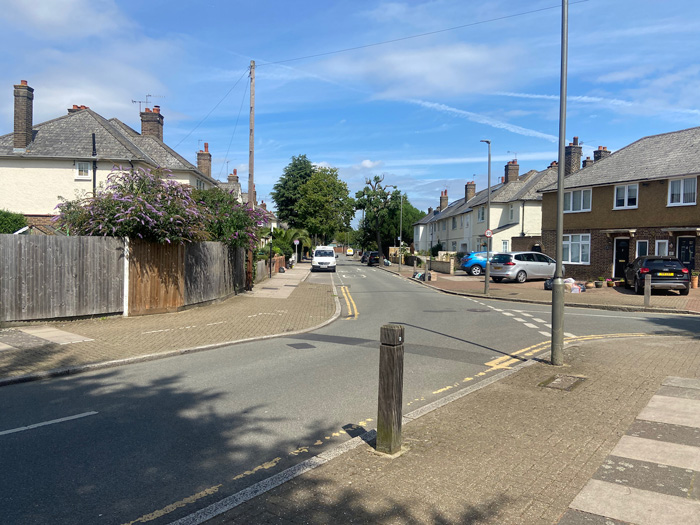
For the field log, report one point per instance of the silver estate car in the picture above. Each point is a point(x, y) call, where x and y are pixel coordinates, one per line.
point(521, 266)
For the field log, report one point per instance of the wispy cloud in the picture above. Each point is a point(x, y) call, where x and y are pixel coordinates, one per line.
point(483, 119)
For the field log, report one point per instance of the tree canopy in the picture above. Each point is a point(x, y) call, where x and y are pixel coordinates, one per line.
point(287, 191)
point(11, 222)
point(325, 206)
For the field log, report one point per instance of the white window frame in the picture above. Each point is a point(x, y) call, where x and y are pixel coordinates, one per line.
point(626, 205)
point(576, 197)
point(82, 166)
point(638, 244)
point(682, 194)
point(511, 212)
point(481, 214)
point(578, 244)
point(504, 246)
point(658, 245)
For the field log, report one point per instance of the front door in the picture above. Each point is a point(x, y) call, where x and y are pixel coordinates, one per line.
point(622, 257)
point(686, 251)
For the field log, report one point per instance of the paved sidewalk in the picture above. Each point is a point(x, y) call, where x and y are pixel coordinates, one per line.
point(518, 452)
point(34, 350)
point(617, 298)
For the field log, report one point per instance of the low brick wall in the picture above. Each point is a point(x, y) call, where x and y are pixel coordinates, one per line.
point(446, 267)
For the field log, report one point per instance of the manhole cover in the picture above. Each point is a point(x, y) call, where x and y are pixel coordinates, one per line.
point(301, 346)
point(563, 382)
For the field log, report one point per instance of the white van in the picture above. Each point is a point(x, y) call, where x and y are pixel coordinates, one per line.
point(323, 259)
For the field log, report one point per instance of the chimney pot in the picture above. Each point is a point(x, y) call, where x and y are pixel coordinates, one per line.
point(22, 82)
point(156, 109)
point(206, 147)
point(575, 141)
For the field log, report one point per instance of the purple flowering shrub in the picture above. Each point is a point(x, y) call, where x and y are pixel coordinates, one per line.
point(228, 221)
point(138, 203)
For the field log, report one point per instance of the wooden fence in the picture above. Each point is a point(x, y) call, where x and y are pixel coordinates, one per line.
point(44, 277)
point(48, 277)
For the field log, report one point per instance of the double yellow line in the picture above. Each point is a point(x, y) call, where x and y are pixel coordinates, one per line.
point(352, 307)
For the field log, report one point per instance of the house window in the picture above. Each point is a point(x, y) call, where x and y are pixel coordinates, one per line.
point(577, 201)
point(454, 246)
point(461, 221)
point(511, 213)
point(642, 248)
point(682, 192)
point(504, 246)
point(481, 214)
point(444, 225)
point(625, 196)
point(454, 222)
point(82, 170)
point(661, 247)
point(577, 248)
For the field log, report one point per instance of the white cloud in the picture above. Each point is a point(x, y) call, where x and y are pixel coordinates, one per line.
point(72, 19)
point(370, 164)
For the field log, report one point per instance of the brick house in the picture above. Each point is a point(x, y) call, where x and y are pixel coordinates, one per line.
point(640, 200)
point(74, 153)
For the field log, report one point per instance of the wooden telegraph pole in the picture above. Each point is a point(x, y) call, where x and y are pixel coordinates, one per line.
point(251, 159)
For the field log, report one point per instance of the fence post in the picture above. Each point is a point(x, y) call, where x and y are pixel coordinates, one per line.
point(389, 411)
point(647, 290)
point(127, 256)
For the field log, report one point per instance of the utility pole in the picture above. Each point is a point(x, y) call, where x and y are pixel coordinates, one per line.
point(557, 357)
point(251, 157)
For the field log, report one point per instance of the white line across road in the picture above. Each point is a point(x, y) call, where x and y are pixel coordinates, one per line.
point(44, 423)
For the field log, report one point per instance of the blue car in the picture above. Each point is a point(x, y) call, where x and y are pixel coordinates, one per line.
point(474, 263)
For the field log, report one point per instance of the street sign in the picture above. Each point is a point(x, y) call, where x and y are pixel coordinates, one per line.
point(296, 241)
point(488, 233)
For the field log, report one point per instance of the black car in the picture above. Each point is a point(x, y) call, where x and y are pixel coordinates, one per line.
point(364, 257)
point(372, 258)
point(667, 273)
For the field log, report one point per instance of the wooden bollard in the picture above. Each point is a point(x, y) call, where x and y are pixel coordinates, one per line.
point(389, 412)
point(647, 290)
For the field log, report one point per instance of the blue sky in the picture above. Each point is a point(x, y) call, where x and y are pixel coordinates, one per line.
point(413, 109)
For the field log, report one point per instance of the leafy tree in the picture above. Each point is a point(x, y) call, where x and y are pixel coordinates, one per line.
point(11, 222)
point(325, 206)
point(283, 240)
point(287, 192)
point(136, 203)
point(377, 201)
point(226, 220)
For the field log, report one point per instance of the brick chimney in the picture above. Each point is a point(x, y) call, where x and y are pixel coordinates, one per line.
point(76, 108)
point(430, 211)
point(233, 177)
point(469, 191)
point(152, 123)
point(204, 160)
point(601, 153)
point(263, 205)
point(443, 200)
point(554, 164)
point(512, 171)
point(572, 158)
point(587, 162)
point(24, 114)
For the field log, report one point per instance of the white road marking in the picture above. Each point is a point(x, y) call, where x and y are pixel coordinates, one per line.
point(546, 334)
point(43, 424)
point(567, 334)
point(530, 325)
point(508, 314)
point(527, 315)
point(548, 325)
point(519, 319)
point(538, 320)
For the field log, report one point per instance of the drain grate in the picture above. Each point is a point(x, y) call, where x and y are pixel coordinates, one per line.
point(562, 382)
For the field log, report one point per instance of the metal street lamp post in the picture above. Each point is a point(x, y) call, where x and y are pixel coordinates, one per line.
point(487, 274)
point(401, 234)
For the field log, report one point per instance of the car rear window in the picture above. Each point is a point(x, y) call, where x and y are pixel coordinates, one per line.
point(323, 253)
point(660, 264)
point(501, 258)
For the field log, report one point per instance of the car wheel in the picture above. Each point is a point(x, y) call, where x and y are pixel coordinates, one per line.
point(521, 277)
point(627, 284)
point(497, 279)
point(638, 289)
point(475, 270)
point(333, 270)
point(685, 291)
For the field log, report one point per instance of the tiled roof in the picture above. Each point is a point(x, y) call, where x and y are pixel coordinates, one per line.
point(654, 157)
point(70, 136)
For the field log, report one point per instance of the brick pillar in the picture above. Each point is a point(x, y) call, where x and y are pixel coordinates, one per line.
point(24, 114)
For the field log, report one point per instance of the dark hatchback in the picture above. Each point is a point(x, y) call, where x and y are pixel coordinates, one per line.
point(372, 258)
point(667, 273)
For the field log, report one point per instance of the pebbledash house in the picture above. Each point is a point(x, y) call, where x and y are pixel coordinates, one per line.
point(639, 200)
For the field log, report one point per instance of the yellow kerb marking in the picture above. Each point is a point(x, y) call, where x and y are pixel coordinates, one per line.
point(443, 390)
point(266, 466)
point(173, 506)
point(318, 442)
point(467, 379)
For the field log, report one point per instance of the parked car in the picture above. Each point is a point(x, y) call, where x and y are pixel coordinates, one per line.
point(349, 252)
point(372, 258)
point(364, 257)
point(473, 263)
point(323, 259)
point(521, 266)
point(667, 273)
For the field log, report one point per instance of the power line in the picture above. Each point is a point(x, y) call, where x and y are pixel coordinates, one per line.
point(234, 131)
point(472, 24)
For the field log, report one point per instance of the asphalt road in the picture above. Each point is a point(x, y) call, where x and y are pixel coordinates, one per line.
point(156, 441)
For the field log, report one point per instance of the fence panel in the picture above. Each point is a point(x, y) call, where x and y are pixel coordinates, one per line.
point(210, 272)
point(156, 277)
point(46, 277)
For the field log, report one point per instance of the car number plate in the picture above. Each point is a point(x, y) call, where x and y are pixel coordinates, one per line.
point(665, 274)
point(497, 267)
